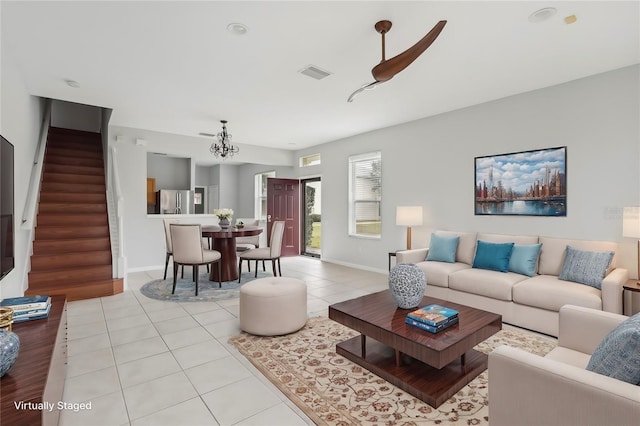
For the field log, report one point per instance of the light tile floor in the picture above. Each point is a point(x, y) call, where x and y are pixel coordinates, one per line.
point(140, 361)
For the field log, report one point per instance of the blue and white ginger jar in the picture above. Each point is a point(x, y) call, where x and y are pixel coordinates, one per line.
point(9, 348)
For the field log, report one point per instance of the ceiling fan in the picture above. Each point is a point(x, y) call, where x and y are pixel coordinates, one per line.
point(387, 68)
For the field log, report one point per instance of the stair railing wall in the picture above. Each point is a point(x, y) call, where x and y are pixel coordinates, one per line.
point(116, 221)
point(33, 190)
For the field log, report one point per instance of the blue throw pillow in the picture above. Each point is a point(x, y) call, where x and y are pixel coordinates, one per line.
point(494, 256)
point(443, 249)
point(618, 355)
point(524, 259)
point(585, 267)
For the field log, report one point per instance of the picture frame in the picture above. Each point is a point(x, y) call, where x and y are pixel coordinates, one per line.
point(526, 183)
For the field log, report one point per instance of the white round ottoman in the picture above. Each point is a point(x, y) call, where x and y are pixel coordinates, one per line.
point(273, 306)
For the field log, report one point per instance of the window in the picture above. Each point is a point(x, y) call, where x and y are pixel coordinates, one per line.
point(310, 160)
point(261, 194)
point(365, 195)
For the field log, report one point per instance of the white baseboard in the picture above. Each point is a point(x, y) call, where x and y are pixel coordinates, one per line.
point(356, 266)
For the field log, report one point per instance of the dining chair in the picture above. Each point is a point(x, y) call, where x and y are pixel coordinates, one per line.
point(248, 243)
point(167, 241)
point(271, 253)
point(188, 250)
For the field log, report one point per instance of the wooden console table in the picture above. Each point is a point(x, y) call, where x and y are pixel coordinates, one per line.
point(39, 372)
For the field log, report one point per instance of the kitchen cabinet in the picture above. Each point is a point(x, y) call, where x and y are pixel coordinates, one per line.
point(151, 191)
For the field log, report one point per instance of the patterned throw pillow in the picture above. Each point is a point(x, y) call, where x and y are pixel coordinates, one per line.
point(443, 249)
point(493, 256)
point(585, 267)
point(618, 355)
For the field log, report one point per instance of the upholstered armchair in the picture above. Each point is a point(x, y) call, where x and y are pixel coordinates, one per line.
point(526, 389)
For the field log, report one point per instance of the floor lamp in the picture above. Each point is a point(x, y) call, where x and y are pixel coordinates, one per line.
point(409, 216)
point(631, 227)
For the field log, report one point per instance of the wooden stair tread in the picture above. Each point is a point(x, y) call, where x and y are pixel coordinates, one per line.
point(69, 169)
point(81, 290)
point(71, 245)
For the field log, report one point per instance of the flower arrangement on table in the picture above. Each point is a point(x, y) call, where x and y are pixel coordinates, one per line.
point(223, 213)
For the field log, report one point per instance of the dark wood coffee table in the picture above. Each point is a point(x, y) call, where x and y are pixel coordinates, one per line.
point(432, 367)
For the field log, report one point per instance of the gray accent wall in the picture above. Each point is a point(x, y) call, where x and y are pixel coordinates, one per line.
point(430, 162)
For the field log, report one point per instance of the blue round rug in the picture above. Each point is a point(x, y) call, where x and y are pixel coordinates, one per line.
point(207, 290)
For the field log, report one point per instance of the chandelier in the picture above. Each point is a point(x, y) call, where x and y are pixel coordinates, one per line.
point(223, 148)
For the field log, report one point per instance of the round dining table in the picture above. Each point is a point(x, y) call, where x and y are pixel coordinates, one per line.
point(224, 241)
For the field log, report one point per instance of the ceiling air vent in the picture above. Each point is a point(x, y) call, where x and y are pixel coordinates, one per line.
point(314, 72)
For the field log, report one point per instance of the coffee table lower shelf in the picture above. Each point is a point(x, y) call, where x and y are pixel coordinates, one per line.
point(427, 383)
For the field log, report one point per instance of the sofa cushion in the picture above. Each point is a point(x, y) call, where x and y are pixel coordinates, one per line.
point(506, 238)
point(493, 256)
point(524, 259)
point(548, 292)
point(569, 356)
point(437, 273)
point(553, 252)
point(618, 355)
point(443, 249)
point(484, 282)
point(585, 267)
point(466, 246)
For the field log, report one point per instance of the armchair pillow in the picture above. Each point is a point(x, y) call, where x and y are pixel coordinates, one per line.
point(443, 249)
point(618, 355)
point(585, 267)
point(524, 258)
point(494, 256)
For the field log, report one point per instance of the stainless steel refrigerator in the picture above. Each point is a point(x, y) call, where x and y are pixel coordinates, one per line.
point(173, 201)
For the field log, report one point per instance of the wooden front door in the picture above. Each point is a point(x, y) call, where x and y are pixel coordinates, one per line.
point(283, 203)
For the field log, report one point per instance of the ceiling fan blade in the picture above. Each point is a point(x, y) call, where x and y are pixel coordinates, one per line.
point(364, 87)
point(386, 69)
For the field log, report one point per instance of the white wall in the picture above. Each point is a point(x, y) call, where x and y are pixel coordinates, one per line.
point(430, 162)
point(169, 172)
point(20, 120)
point(246, 181)
point(144, 245)
point(70, 115)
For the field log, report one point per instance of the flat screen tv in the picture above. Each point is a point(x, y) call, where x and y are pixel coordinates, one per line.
point(7, 258)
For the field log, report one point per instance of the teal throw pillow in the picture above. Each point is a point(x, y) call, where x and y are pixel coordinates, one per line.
point(585, 267)
point(618, 355)
point(493, 256)
point(443, 249)
point(524, 259)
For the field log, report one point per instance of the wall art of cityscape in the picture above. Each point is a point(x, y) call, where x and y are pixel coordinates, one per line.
point(531, 183)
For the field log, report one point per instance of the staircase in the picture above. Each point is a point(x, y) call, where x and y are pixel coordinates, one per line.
point(72, 249)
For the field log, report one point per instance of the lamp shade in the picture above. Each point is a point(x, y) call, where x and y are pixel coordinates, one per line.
point(409, 215)
point(631, 222)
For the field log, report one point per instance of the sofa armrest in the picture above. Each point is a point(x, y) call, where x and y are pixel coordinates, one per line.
point(411, 256)
point(582, 329)
point(526, 389)
point(612, 290)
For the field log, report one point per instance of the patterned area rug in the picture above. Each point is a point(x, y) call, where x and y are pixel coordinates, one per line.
point(332, 390)
point(207, 290)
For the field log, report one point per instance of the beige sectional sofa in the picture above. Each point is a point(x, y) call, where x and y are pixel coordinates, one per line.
point(529, 302)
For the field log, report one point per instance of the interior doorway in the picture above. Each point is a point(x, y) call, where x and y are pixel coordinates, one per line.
point(311, 217)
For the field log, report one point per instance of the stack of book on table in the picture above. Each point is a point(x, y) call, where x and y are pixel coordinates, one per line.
point(433, 318)
point(28, 308)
